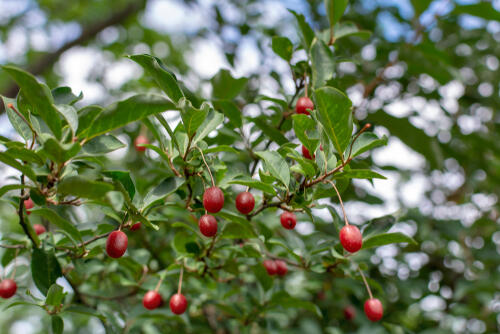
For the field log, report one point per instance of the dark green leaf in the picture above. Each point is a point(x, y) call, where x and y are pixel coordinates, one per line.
point(282, 47)
point(103, 144)
point(55, 295)
point(231, 111)
point(80, 186)
point(58, 221)
point(69, 113)
point(45, 269)
point(124, 178)
point(346, 29)
point(335, 9)
point(57, 324)
point(322, 63)
point(225, 86)
point(358, 174)
point(283, 299)
point(192, 118)
point(386, 239)
point(64, 95)
point(211, 122)
point(86, 117)
point(276, 165)
point(252, 183)
point(307, 34)
point(270, 131)
point(58, 152)
point(367, 141)
point(483, 9)
point(25, 169)
point(17, 121)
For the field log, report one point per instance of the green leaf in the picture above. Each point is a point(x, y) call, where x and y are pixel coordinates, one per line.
point(57, 324)
point(64, 95)
point(58, 221)
point(231, 111)
point(69, 113)
point(263, 277)
point(358, 174)
point(10, 187)
point(301, 125)
point(192, 118)
point(55, 295)
point(211, 122)
point(80, 186)
point(420, 6)
point(86, 117)
point(124, 178)
point(386, 239)
point(164, 79)
point(276, 165)
point(130, 110)
point(26, 170)
point(283, 299)
point(220, 148)
point(367, 141)
point(160, 193)
point(144, 220)
point(322, 63)
point(45, 269)
point(307, 34)
point(58, 152)
point(24, 154)
point(237, 231)
point(283, 47)
point(256, 184)
point(269, 130)
point(335, 9)
point(17, 121)
point(334, 113)
point(346, 29)
point(225, 86)
point(103, 144)
point(78, 309)
point(21, 303)
point(38, 96)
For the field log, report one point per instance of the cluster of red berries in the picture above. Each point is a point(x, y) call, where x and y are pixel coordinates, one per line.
point(275, 267)
point(152, 300)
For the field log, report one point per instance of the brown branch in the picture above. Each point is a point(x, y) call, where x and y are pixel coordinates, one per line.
point(88, 33)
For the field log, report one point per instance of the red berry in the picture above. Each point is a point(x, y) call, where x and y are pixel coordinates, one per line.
point(208, 225)
point(151, 300)
point(374, 309)
point(213, 199)
point(271, 267)
point(306, 153)
point(39, 229)
point(140, 140)
point(136, 226)
point(29, 204)
point(349, 312)
point(350, 238)
point(117, 243)
point(8, 288)
point(288, 220)
point(245, 202)
point(303, 104)
point(281, 267)
point(178, 303)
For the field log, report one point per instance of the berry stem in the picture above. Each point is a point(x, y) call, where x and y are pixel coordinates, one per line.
point(366, 283)
point(180, 281)
point(208, 168)
point(305, 86)
point(157, 287)
point(340, 199)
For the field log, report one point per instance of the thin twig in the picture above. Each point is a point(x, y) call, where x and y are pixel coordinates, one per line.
point(340, 199)
point(179, 289)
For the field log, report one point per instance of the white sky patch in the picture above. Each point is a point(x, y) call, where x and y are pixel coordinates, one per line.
point(398, 154)
point(206, 58)
point(181, 18)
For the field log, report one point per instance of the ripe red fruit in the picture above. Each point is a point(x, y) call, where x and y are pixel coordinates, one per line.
point(140, 140)
point(350, 238)
point(208, 225)
point(8, 288)
point(39, 229)
point(117, 243)
point(349, 312)
point(306, 153)
point(303, 104)
point(281, 267)
point(151, 300)
point(178, 303)
point(271, 267)
point(288, 220)
point(245, 202)
point(374, 309)
point(135, 226)
point(29, 204)
point(213, 199)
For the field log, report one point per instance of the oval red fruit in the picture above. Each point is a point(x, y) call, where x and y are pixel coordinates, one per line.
point(288, 220)
point(213, 199)
point(245, 202)
point(135, 226)
point(303, 104)
point(140, 140)
point(117, 243)
point(208, 225)
point(374, 309)
point(281, 267)
point(178, 303)
point(8, 288)
point(39, 229)
point(349, 312)
point(306, 154)
point(350, 238)
point(151, 300)
point(29, 204)
point(271, 267)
